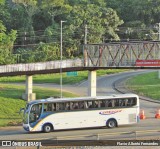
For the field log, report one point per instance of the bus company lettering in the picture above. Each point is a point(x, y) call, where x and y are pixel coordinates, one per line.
point(109, 112)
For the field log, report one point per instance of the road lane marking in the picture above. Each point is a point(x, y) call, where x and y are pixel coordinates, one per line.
point(95, 135)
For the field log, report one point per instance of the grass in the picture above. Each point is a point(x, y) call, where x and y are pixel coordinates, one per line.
point(55, 78)
point(11, 102)
point(146, 85)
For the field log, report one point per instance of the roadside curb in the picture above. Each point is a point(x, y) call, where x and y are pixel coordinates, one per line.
point(120, 86)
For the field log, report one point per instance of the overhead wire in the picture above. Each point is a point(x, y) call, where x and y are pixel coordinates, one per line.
point(24, 36)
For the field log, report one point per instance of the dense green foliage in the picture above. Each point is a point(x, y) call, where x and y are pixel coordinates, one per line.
point(38, 26)
point(6, 45)
point(140, 17)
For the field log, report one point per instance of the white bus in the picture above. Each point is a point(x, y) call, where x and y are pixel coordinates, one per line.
point(68, 113)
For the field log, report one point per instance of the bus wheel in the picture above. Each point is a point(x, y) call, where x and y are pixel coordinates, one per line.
point(47, 128)
point(111, 123)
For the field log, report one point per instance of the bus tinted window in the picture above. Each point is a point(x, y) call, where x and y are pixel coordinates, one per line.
point(75, 105)
point(110, 103)
point(35, 112)
point(61, 106)
point(132, 102)
point(106, 103)
point(92, 104)
point(103, 103)
point(96, 104)
point(122, 102)
point(81, 105)
point(48, 107)
point(67, 106)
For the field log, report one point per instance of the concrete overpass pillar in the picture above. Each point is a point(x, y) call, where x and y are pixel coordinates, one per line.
point(92, 83)
point(28, 95)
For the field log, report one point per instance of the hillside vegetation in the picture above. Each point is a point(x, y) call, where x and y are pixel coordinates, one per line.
point(11, 101)
point(146, 85)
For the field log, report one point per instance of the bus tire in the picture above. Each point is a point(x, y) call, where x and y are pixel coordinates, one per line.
point(47, 128)
point(111, 123)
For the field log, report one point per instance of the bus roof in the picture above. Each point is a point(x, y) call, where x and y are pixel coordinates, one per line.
point(52, 99)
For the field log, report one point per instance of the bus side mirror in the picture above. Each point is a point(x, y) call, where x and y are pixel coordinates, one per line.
point(22, 109)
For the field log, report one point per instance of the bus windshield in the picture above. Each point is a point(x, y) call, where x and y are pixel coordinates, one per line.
point(25, 117)
point(26, 113)
point(35, 112)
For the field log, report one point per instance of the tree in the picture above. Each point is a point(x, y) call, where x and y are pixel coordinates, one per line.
point(139, 16)
point(30, 8)
point(102, 22)
point(147, 11)
point(47, 52)
point(2, 2)
point(6, 45)
point(53, 8)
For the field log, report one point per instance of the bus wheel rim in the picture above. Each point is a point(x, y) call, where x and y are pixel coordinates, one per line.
point(48, 128)
point(111, 124)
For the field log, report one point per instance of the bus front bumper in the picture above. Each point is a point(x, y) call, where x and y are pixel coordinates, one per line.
point(26, 127)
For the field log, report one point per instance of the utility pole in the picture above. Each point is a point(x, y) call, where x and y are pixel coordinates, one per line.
point(85, 34)
point(159, 30)
point(85, 42)
point(61, 58)
point(159, 47)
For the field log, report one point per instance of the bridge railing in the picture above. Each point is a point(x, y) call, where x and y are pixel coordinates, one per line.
point(41, 66)
point(120, 54)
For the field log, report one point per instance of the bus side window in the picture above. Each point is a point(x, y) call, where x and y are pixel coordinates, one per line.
point(133, 101)
point(75, 105)
point(49, 107)
point(67, 106)
point(71, 105)
point(99, 104)
point(90, 104)
point(110, 103)
point(95, 104)
point(103, 103)
point(106, 103)
point(53, 107)
point(61, 106)
point(121, 102)
point(81, 105)
point(57, 106)
point(85, 105)
point(126, 102)
point(130, 102)
point(116, 102)
point(45, 107)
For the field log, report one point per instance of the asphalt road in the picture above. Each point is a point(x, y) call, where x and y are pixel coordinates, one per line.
point(148, 127)
point(143, 128)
